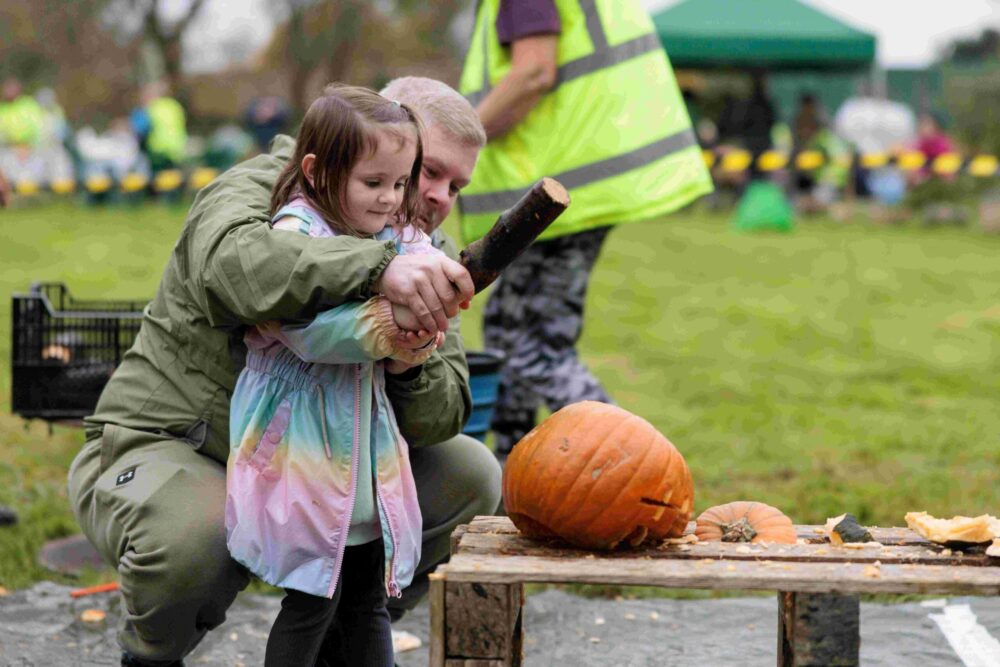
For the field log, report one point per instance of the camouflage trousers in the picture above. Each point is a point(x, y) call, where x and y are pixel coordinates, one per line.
point(535, 316)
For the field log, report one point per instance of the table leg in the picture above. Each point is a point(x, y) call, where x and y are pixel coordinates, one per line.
point(817, 629)
point(475, 625)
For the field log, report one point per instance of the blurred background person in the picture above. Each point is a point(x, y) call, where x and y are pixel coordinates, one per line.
point(932, 142)
point(870, 123)
point(160, 125)
point(816, 189)
point(55, 141)
point(266, 117)
point(21, 122)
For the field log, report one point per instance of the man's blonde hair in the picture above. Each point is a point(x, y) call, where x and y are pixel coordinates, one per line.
point(438, 103)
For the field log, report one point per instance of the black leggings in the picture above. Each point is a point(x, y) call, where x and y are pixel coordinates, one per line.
point(350, 629)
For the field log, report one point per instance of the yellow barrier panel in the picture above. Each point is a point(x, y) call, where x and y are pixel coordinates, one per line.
point(98, 184)
point(168, 180)
point(874, 160)
point(772, 161)
point(983, 165)
point(201, 177)
point(134, 182)
point(809, 160)
point(26, 188)
point(947, 164)
point(911, 160)
point(63, 186)
point(736, 161)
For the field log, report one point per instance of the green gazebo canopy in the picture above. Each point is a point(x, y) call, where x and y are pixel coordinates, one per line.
point(772, 34)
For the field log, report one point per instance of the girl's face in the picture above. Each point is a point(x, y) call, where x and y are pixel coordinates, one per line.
point(377, 182)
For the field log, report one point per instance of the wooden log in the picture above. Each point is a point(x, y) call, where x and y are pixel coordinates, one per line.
point(818, 630)
point(514, 231)
point(483, 622)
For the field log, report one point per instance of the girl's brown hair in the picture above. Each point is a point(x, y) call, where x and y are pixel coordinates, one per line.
point(339, 129)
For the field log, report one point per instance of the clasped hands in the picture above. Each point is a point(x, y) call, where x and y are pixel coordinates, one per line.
point(425, 291)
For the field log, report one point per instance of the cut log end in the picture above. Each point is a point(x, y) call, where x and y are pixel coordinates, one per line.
point(555, 190)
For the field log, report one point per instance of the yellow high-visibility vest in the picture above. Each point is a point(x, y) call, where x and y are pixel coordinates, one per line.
point(21, 121)
point(168, 131)
point(614, 130)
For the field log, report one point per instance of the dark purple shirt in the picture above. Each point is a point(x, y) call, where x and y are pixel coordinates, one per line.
point(523, 18)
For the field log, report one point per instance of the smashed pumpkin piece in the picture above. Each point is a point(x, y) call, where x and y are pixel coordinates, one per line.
point(845, 529)
point(972, 530)
point(994, 549)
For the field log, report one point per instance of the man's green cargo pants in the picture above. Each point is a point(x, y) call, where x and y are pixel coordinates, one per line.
point(154, 508)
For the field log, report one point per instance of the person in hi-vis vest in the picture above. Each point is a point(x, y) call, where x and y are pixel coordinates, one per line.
point(582, 91)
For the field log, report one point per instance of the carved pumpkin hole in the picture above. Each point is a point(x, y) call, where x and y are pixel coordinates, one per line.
point(657, 503)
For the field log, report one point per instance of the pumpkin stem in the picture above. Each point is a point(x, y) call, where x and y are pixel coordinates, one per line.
point(738, 531)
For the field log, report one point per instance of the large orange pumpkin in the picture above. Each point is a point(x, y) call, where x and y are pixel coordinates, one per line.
point(744, 521)
point(596, 475)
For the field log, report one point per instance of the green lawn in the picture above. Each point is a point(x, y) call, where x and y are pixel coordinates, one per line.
point(844, 367)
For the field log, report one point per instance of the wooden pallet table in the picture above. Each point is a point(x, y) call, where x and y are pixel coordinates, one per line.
point(477, 597)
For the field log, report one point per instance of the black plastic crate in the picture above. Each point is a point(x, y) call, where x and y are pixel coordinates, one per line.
point(64, 350)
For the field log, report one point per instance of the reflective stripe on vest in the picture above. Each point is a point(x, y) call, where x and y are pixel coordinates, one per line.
point(595, 171)
point(647, 123)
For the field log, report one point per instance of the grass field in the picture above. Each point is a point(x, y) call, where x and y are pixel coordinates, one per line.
point(844, 367)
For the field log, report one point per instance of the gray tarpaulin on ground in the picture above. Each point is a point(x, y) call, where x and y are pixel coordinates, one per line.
point(40, 626)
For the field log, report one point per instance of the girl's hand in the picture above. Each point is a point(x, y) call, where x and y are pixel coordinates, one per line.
point(415, 340)
point(407, 320)
point(406, 358)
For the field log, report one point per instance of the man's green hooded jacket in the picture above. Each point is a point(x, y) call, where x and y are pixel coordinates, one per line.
point(229, 270)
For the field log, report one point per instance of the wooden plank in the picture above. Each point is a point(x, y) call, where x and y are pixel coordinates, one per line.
point(730, 574)
point(456, 536)
point(436, 595)
point(504, 545)
point(483, 621)
point(810, 533)
point(818, 630)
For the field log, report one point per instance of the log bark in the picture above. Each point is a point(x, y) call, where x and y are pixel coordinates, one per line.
point(514, 231)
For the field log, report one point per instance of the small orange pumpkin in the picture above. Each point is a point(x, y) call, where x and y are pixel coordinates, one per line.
point(745, 521)
point(596, 475)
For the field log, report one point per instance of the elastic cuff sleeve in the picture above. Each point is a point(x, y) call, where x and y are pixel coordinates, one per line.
point(383, 324)
point(390, 254)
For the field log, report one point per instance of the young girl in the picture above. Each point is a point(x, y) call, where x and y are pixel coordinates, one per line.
point(320, 497)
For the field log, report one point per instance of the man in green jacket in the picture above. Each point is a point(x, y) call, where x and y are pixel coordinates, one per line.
point(148, 488)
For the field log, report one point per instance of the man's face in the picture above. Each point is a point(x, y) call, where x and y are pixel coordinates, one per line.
point(447, 168)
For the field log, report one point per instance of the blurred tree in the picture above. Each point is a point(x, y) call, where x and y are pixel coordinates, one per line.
point(67, 46)
point(971, 86)
point(160, 23)
point(346, 40)
point(984, 47)
point(319, 33)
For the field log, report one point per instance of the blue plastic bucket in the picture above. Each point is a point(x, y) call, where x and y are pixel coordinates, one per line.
point(484, 381)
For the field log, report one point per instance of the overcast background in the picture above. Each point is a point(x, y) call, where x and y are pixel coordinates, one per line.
point(911, 33)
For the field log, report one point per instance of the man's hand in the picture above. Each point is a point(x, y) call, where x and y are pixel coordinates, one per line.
point(434, 287)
